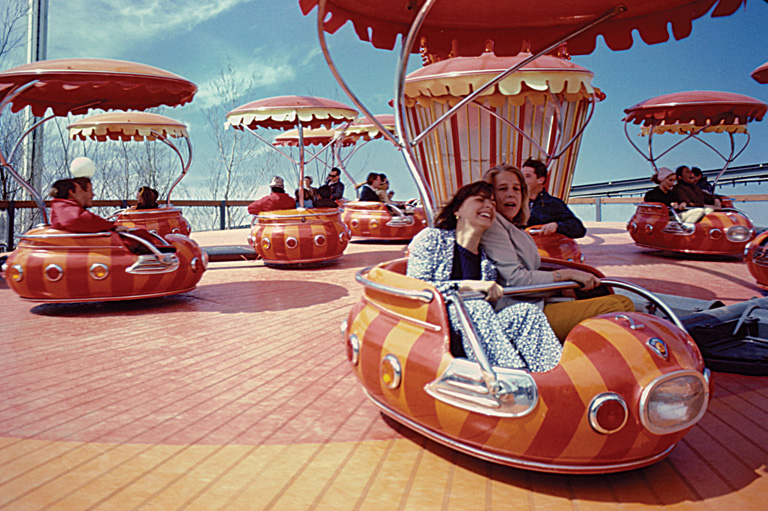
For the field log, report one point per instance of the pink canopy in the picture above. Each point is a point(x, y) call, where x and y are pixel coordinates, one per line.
point(365, 129)
point(761, 74)
point(318, 136)
point(463, 27)
point(137, 126)
point(696, 107)
point(283, 112)
point(66, 85)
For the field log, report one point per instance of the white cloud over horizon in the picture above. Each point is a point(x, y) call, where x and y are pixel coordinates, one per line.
point(123, 24)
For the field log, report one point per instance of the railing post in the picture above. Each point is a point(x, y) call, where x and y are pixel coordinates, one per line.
point(124, 204)
point(11, 226)
point(222, 215)
point(598, 210)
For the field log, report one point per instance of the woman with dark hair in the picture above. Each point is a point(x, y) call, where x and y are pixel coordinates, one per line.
point(146, 198)
point(517, 258)
point(449, 257)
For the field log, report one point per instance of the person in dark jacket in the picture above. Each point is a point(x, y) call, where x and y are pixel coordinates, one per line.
point(689, 195)
point(368, 190)
point(551, 213)
point(335, 184)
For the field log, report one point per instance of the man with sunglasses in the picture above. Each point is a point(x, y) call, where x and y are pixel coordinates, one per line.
point(335, 184)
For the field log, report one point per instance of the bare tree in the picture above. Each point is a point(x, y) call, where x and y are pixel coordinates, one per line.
point(239, 164)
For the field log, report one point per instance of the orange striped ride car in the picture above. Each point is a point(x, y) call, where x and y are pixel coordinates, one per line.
point(627, 389)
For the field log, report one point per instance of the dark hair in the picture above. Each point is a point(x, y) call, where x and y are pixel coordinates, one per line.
point(696, 171)
point(337, 170)
point(147, 198)
point(372, 176)
point(308, 177)
point(383, 177)
point(324, 192)
point(277, 189)
point(61, 188)
point(538, 167)
point(679, 170)
point(446, 220)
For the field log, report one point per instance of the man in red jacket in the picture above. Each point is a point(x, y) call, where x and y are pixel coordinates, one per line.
point(278, 199)
point(71, 197)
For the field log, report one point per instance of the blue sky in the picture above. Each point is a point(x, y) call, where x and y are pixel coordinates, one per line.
point(272, 43)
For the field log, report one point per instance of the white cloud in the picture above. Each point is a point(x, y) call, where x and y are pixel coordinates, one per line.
point(252, 71)
point(105, 27)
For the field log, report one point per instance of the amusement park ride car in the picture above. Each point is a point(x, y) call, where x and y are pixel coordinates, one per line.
point(295, 236)
point(756, 253)
point(139, 127)
point(693, 114)
point(57, 266)
point(628, 386)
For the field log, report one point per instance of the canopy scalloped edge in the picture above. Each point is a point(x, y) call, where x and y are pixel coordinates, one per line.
point(276, 118)
point(760, 74)
point(137, 133)
point(497, 99)
point(65, 85)
point(126, 126)
point(448, 29)
point(689, 128)
point(312, 137)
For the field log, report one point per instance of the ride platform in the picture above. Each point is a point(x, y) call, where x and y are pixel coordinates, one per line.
point(238, 395)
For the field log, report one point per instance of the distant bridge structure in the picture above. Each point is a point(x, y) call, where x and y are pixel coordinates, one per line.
point(746, 174)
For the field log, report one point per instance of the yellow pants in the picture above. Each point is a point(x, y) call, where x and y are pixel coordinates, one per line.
point(563, 316)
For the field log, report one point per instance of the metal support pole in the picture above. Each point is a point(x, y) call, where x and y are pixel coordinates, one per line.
point(598, 210)
point(11, 226)
point(222, 215)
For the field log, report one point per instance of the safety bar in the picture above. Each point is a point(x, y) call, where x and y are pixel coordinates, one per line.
point(425, 295)
point(468, 329)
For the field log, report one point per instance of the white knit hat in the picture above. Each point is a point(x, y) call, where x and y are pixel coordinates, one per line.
point(82, 167)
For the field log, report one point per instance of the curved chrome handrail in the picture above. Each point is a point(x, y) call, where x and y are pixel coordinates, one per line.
point(424, 295)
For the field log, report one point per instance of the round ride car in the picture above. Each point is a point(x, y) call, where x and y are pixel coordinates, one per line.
point(756, 255)
point(141, 126)
point(379, 221)
point(58, 266)
point(628, 386)
point(693, 114)
point(556, 245)
point(293, 236)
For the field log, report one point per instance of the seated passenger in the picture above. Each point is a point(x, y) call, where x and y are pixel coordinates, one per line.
point(517, 259)
point(551, 213)
point(146, 198)
point(383, 192)
point(334, 182)
point(71, 198)
point(277, 199)
point(690, 195)
point(308, 203)
point(449, 256)
point(701, 181)
point(324, 198)
point(664, 193)
point(368, 189)
point(311, 189)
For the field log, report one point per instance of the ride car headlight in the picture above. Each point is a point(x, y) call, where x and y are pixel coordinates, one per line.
point(674, 402)
point(737, 233)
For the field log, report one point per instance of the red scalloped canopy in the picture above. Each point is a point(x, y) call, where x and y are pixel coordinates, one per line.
point(697, 107)
point(761, 74)
point(317, 136)
point(280, 113)
point(126, 126)
point(65, 85)
point(509, 23)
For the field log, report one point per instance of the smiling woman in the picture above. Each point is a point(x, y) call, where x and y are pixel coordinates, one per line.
point(450, 258)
